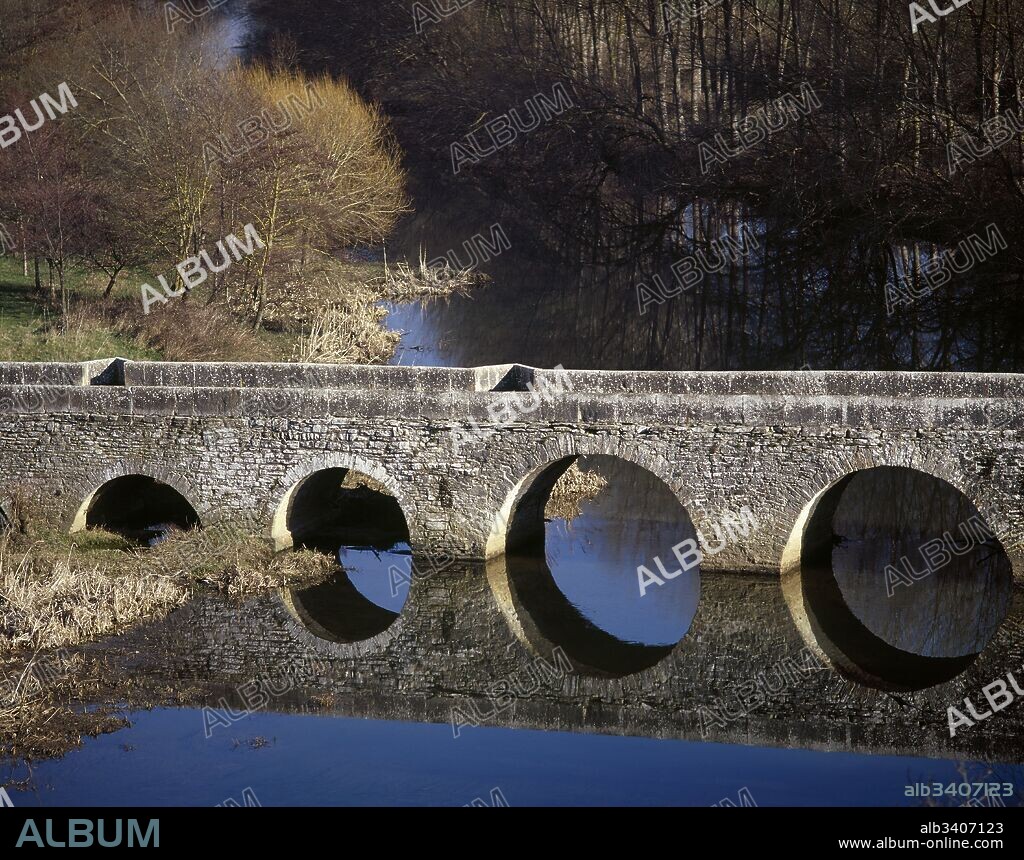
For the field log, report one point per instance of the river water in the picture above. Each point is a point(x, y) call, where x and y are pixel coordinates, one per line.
point(164, 759)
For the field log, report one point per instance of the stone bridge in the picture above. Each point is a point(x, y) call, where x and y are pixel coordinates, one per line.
point(471, 454)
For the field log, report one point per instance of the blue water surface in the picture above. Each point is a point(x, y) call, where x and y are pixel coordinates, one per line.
point(165, 759)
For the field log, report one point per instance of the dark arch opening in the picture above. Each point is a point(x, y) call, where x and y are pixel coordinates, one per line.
point(575, 542)
point(342, 507)
point(356, 520)
point(140, 509)
point(528, 524)
point(903, 583)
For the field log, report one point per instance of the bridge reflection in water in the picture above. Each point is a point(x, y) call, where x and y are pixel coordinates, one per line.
point(863, 648)
point(347, 514)
point(902, 582)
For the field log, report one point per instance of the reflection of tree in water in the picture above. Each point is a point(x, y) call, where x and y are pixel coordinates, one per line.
point(754, 314)
point(611, 193)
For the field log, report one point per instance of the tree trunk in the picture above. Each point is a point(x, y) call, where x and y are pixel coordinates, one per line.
point(111, 282)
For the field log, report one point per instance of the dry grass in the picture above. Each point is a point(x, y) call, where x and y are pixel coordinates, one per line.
point(325, 310)
point(237, 565)
point(573, 489)
point(406, 283)
point(289, 570)
point(54, 596)
point(191, 330)
point(182, 330)
point(352, 332)
point(59, 591)
point(51, 602)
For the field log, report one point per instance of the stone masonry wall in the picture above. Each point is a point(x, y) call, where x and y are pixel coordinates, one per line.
point(235, 438)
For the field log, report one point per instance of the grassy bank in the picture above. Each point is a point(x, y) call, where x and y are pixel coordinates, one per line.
point(59, 591)
point(335, 318)
point(31, 331)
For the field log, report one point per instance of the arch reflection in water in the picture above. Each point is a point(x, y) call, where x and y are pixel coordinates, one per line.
point(139, 508)
point(897, 578)
point(353, 518)
point(579, 590)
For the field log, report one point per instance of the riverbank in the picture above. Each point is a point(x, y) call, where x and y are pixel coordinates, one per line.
point(59, 592)
point(336, 319)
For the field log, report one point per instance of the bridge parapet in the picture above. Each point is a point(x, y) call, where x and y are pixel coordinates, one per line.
point(456, 444)
point(514, 378)
point(497, 394)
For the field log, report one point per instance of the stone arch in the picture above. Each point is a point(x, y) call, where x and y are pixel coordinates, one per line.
point(519, 517)
point(7, 511)
point(818, 605)
point(985, 494)
point(283, 498)
point(92, 486)
point(537, 611)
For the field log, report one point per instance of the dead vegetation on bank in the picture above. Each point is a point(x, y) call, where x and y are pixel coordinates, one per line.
point(348, 326)
point(407, 282)
point(333, 312)
point(571, 491)
point(190, 330)
point(234, 563)
point(347, 333)
point(338, 316)
point(64, 591)
point(54, 601)
point(59, 592)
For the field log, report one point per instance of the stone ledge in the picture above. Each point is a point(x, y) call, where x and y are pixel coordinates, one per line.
point(118, 372)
